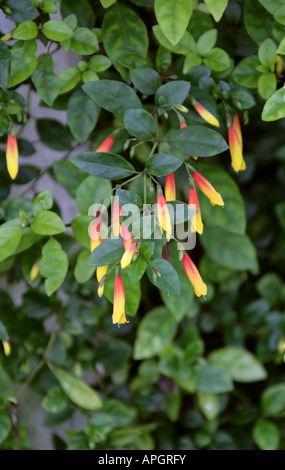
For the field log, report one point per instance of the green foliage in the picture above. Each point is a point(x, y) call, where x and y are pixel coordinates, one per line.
point(151, 85)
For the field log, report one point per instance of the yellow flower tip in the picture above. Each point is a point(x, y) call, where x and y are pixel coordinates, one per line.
point(123, 319)
point(12, 156)
point(119, 301)
point(6, 37)
point(195, 158)
point(7, 347)
point(235, 148)
point(196, 220)
point(100, 272)
point(101, 290)
point(193, 275)
point(128, 255)
point(206, 115)
point(209, 191)
point(34, 271)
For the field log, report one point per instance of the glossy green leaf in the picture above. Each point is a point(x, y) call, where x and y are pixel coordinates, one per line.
point(197, 140)
point(10, 237)
point(169, 280)
point(241, 365)
point(145, 79)
point(104, 165)
point(68, 176)
point(217, 59)
point(186, 44)
point(82, 271)
point(139, 123)
point(245, 73)
point(5, 61)
point(23, 62)
point(211, 378)
point(78, 392)
point(155, 333)
point(173, 17)
point(84, 41)
point(267, 84)
point(45, 80)
point(26, 30)
point(172, 92)
point(217, 7)
point(47, 223)
point(43, 201)
point(5, 425)
point(91, 191)
point(21, 11)
point(81, 9)
point(82, 115)
point(266, 435)
point(206, 42)
point(274, 107)
point(57, 30)
point(112, 95)
point(54, 134)
point(68, 79)
point(107, 252)
point(162, 164)
point(273, 400)
point(53, 265)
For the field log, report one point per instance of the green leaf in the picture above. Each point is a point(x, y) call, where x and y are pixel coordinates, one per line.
point(99, 63)
point(245, 73)
point(139, 123)
point(113, 355)
point(57, 30)
point(145, 79)
point(45, 80)
point(256, 20)
point(197, 140)
point(231, 217)
point(267, 53)
point(241, 365)
point(107, 3)
point(10, 237)
point(42, 201)
point(172, 92)
point(4, 121)
point(68, 176)
point(55, 401)
point(137, 269)
point(82, 271)
point(3, 333)
point(209, 404)
point(244, 96)
point(53, 265)
point(112, 95)
point(47, 223)
point(267, 84)
point(82, 115)
point(124, 196)
point(173, 17)
point(230, 250)
point(5, 62)
point(212, 378)
point(132, 292)
point(161, 164)
point(186, 44)
point(68, 79)
point(93, 190)
point(155, 332)
point(169, 280)
point(270, 288)
point(273, 400)
point(206, 42)
point(5, 425)
point(54, 134)
point(26, 30)
point(266, 435)
point(23, 62)
point(108, 252)
point(78, 392)
point(21, 11)
point(217, 59)
point(84, 41)
point(81, 9)
point(104, 165)
point(191, 60)
point(274, 107)
point(281, 48)
point(79, 227)
point(6, 386)
point(217, 8)
point(279, 15)
point(114, 414)
point(123, 33)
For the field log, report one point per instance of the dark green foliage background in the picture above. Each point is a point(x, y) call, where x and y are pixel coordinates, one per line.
point(185, 373)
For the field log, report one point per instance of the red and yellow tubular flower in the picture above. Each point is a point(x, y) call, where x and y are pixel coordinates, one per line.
point(163, 216)
point(116, 213)
point(119, 315)
point(106, 144)
point(193, 275)
point(95, 239)
point(196, 220)
point(12, 156)
point(130, 247)
point(236, 145)
point(206, 115)
point(182, 124)
point(169, 190)
point(34, 271)
point(206, 188)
